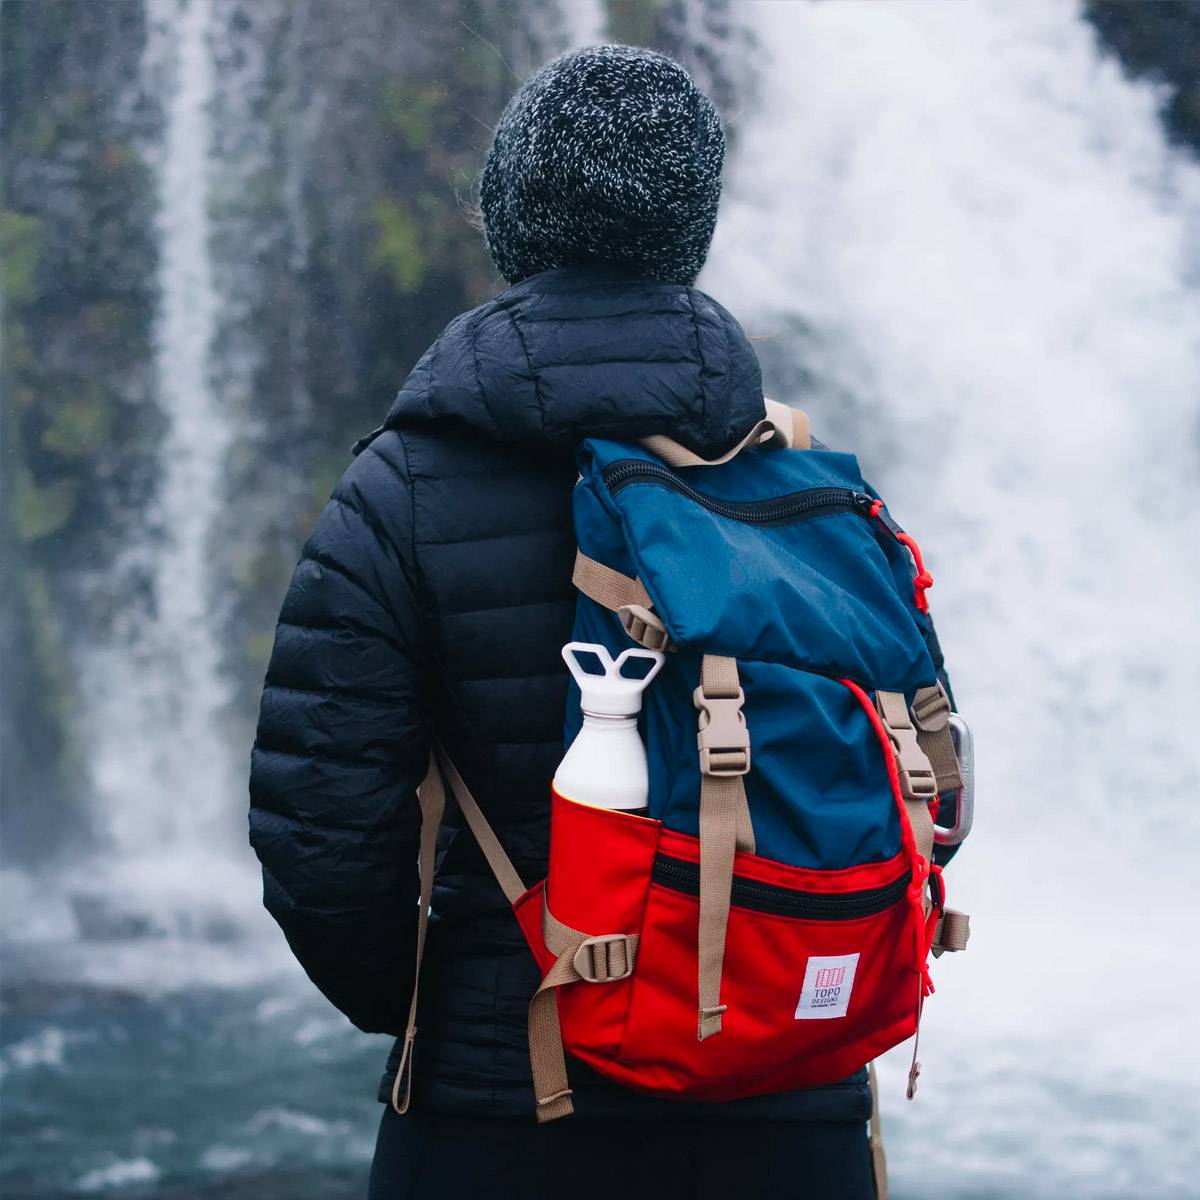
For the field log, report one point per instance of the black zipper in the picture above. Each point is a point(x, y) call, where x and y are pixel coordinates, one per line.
point(782, 510)
point(682, 876)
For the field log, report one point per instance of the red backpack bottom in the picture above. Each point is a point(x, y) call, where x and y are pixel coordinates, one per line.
point(809, 998)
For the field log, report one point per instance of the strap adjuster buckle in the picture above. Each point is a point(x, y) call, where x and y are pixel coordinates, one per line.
point(644, 627)
point(931, 709)
point(608, 958)
point(723, 738)
point(917, 778)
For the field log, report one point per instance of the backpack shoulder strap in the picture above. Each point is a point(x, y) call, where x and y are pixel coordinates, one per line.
point(432, 797)
point(578, 955)
point(782, 426)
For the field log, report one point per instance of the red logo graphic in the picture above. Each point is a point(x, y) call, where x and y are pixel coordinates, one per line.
point(830, 977)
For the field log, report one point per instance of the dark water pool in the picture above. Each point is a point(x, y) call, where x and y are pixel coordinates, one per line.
point(257, 1088)
point(207, 1092)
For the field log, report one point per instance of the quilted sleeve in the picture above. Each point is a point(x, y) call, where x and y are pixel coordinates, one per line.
point(343, 739)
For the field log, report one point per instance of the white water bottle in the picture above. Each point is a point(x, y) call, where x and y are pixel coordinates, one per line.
point(606, 764)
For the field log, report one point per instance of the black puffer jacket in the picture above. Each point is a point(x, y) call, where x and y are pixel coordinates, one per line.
point(435, 593)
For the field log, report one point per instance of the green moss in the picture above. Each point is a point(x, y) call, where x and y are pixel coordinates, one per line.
point(118, 157)
point(412, 112)
point(17, 358)
point(43, 134)
point(20, 250)
point(39, 510)
point(634, 22)
point(114, 321)
point(397, 244)
point(80, 426)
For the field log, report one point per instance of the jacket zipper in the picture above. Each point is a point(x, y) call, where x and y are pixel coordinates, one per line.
point(782, 510)
point(682, 876)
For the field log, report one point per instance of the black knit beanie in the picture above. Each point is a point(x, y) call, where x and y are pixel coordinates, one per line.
point(606, 154)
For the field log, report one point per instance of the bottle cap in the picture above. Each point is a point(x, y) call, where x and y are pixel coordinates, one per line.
point(609, 693)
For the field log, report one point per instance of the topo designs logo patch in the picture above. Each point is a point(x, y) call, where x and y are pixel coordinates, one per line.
point(828, 981)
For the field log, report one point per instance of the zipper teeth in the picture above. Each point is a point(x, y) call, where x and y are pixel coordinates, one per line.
point(680, 875)
point(759, 512)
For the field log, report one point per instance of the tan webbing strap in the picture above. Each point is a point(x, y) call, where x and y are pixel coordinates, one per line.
point(718, 841)
point(558, 936)
point(725, 827)
point(791, 425)
point(878, 1157)
point(951, 933)
point(624, 596)
point(603, 959)
point(546, 1058)
point(675, 455)
point(782, 426)
point(801, 430)
point(432, 798)
point(607, 587)
point(917, 783)
point(931, 716)
point(501, 865)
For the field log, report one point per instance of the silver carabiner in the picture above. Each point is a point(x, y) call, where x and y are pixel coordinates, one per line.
point(964, 748)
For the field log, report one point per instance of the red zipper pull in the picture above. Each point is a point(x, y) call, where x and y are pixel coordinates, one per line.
point(923, 581)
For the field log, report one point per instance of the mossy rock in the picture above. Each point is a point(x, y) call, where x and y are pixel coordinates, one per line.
point(39, 510)
point(398, 244)
point(81, 425)
point(412, 112)
point(20, 251)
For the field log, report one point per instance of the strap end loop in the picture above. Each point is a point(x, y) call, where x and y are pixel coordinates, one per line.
point(708, 1023)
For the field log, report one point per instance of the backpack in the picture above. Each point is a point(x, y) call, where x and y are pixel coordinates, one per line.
point(769, 926)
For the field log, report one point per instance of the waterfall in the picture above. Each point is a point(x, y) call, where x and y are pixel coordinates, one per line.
point(157, 748)
point(970, 253)
point(168, 870)
point(586, 22)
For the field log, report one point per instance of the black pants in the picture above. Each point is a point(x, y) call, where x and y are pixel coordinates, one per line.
point(431, 1157)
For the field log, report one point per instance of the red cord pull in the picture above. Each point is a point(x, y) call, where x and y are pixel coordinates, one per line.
point(936, 909)
point(923, 580)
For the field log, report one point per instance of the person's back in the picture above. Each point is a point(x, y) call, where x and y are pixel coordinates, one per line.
point(432, 601)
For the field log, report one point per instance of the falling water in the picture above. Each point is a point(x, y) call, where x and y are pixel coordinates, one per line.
point(585, 21)
point(160, 762)
point(965, 228)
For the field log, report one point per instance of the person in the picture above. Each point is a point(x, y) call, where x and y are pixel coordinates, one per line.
point(433, 598)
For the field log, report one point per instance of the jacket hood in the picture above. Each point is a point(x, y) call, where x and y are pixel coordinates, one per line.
point(588, 352)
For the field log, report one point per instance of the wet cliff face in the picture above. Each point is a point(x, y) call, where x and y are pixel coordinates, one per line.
point(80, 425)
point(342, 146)
point(343, 143)
point(342, 140)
